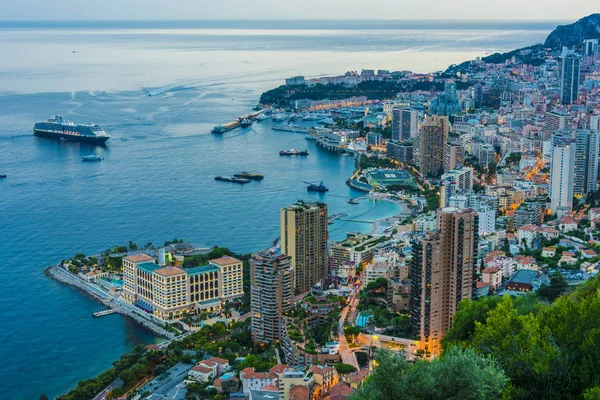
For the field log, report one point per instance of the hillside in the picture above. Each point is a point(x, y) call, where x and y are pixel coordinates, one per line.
point(563, 35)
point(573, 34)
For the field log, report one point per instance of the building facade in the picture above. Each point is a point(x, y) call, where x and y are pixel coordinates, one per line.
point(432, 136)
point(569, 78)
point(272, 295)
point(405, 124)
point(454, 156)
point(303, 229)
point(587, 147)
point(562, 173)
point(442, 274)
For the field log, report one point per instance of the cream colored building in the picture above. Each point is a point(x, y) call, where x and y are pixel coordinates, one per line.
point(357, 248)
point(171, 292)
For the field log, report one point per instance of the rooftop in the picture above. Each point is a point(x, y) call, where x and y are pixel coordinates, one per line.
point(525, 276)
point(169, 271)
point(136, 258)
point(201, 269)
point(225, 260)
point(149, 267)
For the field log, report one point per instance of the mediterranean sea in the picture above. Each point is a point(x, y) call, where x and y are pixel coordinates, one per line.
point(156, 180)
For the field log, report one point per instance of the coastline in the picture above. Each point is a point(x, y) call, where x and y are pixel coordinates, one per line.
point(379, 226)
point(57, 273)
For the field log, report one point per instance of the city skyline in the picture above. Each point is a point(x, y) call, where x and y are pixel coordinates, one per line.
point(271, 9)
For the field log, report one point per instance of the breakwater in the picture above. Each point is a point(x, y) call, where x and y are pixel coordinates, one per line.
point(63, 276)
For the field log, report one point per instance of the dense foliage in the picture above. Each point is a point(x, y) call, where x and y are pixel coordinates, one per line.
point(372, 90)
point(458, 374)
point(549, 351)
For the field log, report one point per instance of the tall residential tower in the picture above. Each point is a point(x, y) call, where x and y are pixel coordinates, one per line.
point(442, 274)
point(303, 229)
point(272, 294)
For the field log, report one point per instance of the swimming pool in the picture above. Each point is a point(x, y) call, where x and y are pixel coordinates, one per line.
point(227, 376)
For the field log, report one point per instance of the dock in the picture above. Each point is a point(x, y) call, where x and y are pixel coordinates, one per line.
point(103, 312)
point(334, 217)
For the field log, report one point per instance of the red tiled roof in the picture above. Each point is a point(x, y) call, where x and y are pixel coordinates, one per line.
point(248, 373)
point(481, 285)
point(341, 391)
point(219, 360)
point(490, 270)
point(278, 369)
point(200, 368)
point(270, 388)
point(299, 393)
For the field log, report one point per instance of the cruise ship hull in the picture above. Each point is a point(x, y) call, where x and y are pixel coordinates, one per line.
point(98, 140)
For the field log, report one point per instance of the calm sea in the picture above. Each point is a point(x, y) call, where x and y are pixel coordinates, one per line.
point(156, 181)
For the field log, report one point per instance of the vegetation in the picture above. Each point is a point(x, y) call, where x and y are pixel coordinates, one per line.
point(376, 162)
point(458, 374)
point(344, 369)
point(548, 351)
point(373, 90)
point(558, 285)
point(137, 360)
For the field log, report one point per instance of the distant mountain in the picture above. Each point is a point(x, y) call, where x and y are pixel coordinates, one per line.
point(564, 35)
point(574, 34)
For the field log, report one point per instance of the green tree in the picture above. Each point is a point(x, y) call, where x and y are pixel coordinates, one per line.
point(344, 369)
point(458, 374)
point(558, 285)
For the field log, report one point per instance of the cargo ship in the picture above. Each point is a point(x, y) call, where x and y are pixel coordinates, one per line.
point(92, 157)
point(293, 152)
point(226, 128)
point(248, 175)
point(232, 179)
point(313, 187)
point(59, 129)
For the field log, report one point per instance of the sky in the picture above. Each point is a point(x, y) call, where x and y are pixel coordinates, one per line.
point(559, 10)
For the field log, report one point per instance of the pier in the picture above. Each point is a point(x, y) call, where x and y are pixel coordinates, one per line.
point(103, 312)
point(334, 217)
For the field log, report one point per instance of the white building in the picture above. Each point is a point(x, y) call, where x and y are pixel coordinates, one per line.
point(562, 173)
point(487, 221)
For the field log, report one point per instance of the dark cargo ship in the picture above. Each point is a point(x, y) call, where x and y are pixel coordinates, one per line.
point(293, 152)
point(249, 175)
point(57, 128)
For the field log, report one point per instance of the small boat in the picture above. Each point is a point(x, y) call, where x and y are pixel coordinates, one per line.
point(293, 152)
point(246, 122)
point(353, 201)
point(92, 157)
point(2, 176)
point(261, 117)
point(248, 175)
point(232, 179)
point(313, 187)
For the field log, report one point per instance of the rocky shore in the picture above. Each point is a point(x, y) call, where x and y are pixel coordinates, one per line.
point(61, 275)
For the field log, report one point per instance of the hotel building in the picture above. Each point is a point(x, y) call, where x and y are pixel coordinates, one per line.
point(170, 292)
